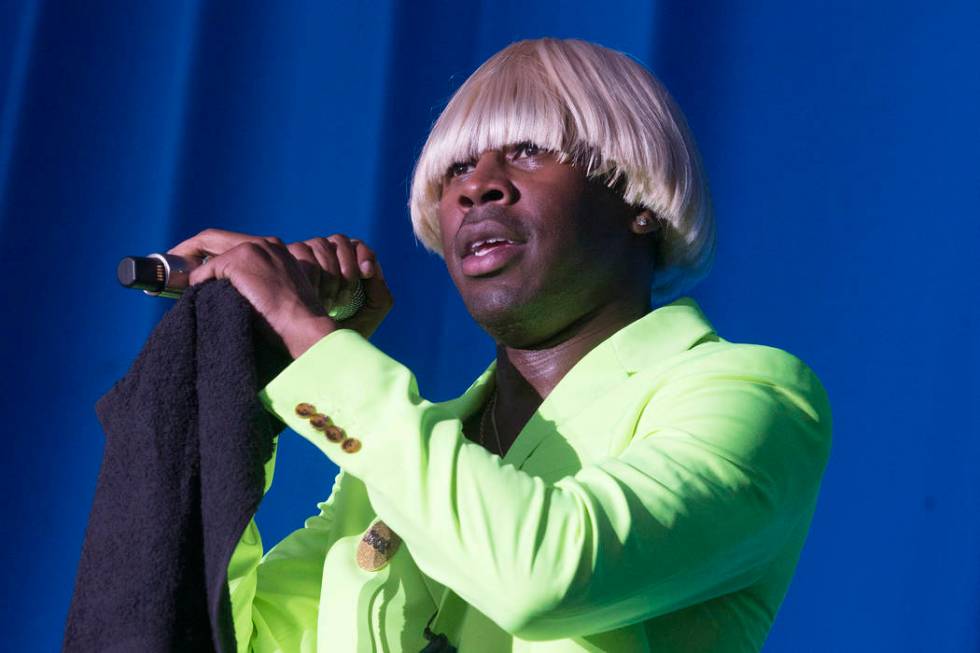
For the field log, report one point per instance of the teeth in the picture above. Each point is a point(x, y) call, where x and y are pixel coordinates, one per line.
point(478, 247)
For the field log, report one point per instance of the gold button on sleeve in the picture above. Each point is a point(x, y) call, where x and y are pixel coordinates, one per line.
point(334, 433)
point(351, 445)
point(305, 410)
point(320, 421)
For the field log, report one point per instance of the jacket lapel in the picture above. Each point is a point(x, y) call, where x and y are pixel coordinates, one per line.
point(665, 331)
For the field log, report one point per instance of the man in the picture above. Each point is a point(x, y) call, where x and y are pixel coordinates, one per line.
point(620, 478)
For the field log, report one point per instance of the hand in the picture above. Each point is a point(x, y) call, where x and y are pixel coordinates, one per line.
point(289, 285)
point(335, 265)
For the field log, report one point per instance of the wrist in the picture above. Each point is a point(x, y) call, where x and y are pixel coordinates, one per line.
point(305, 331)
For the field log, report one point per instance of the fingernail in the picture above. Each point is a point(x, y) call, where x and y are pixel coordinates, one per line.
point(367, 269)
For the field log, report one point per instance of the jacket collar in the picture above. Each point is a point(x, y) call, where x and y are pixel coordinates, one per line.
point(661, 333)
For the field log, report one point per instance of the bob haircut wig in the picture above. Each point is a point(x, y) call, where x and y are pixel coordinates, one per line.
point(598, 109)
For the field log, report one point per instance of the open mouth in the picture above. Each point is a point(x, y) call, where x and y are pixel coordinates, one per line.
point(484, 247)
point(488, 256)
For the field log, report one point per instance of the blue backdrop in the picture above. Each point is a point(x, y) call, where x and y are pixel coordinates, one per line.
point(840, 138)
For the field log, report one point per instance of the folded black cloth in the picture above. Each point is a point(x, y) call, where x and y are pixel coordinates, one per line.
point(182, 474)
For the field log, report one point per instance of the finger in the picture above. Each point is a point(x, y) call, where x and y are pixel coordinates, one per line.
point(347, 258)
point(308, 263)
point(218, 267)
point(365, 259)
point(202, 273)
point(326, 256)
point(213, 242)
point(377, 295)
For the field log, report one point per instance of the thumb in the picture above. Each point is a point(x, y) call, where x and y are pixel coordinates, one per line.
point(377, 295)
point(202, 273)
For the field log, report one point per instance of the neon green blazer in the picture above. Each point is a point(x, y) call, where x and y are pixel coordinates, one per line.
point(657, 500)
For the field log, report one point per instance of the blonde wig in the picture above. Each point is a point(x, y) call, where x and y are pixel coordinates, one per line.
point(598, 109)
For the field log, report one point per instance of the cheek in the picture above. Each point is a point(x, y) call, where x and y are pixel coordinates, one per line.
point(578, 226)
point(603, 224)
point(447, 223)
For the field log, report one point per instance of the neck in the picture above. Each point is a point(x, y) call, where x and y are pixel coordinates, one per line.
point(525, 376)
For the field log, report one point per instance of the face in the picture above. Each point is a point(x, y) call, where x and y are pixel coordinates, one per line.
point(533, 245)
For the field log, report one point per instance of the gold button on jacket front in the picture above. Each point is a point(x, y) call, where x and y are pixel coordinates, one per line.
point(377, 546)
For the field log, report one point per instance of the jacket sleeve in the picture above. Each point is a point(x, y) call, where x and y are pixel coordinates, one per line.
point(274, 597)
point(726, 460)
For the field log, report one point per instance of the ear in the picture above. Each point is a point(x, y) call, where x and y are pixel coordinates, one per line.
point(644, 222)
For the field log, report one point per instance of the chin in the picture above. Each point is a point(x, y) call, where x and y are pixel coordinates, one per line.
point(521, 322)
point(506, 314)
point(511, 305)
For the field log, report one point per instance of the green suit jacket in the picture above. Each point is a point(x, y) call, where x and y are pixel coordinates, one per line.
point(657, 500)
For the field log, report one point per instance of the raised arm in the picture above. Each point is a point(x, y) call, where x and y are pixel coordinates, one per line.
point(726, 461)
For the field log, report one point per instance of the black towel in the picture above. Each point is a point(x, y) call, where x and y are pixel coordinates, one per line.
point(182, 474)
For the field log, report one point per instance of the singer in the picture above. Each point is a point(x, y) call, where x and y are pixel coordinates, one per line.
point(620, 478)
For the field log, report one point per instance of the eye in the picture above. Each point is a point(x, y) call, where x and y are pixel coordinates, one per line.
point(458, 168)
point(527, 148)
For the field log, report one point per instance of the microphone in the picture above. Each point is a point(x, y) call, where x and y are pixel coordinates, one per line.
point(166, 275)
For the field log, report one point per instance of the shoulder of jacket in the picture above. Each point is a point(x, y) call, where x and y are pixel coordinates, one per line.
point(720, 355)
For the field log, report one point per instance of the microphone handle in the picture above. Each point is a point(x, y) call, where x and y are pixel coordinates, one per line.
point(166, 275)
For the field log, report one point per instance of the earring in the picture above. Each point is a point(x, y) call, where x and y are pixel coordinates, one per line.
point(643, 221)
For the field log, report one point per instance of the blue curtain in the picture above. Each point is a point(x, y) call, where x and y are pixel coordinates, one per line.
point(840, 138)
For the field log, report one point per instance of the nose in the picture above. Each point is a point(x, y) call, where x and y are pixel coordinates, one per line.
point(488, 183)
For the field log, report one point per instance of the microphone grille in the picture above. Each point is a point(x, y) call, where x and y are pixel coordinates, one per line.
point(346, 311)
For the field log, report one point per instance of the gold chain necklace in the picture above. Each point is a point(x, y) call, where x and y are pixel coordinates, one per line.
point(490, 410)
